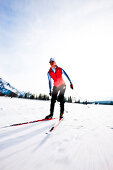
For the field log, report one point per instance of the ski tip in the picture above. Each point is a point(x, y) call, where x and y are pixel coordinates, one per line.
point(46, 133)
point(51, 129)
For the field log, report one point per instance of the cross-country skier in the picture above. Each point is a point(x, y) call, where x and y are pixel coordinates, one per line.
point(59, 87)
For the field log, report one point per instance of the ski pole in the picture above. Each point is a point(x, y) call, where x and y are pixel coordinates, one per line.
point(80, 97)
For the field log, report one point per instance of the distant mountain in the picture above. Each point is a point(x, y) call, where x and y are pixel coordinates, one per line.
point(106, 102)
point(8, 90)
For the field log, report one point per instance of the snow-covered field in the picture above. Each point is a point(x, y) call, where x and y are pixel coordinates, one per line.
point(82, 141)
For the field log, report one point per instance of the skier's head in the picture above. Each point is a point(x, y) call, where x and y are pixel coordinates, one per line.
point(52, 62)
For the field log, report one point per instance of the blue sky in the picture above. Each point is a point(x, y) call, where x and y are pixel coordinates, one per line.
point(78, 34)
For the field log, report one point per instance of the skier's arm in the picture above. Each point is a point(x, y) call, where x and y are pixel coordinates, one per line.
point(49, 79)
point(63, 72)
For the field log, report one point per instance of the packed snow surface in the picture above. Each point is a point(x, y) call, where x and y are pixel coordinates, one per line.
point(82, 141)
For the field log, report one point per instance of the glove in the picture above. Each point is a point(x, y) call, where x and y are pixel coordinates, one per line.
point(50, 93)
point(71, 86)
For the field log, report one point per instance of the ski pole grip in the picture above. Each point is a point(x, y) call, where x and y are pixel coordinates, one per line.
point(71, 86)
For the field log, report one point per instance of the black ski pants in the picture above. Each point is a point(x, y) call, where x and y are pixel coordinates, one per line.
point(58, 94)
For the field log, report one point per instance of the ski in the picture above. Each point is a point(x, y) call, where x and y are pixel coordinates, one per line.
point(55, 126)
point(35, 121)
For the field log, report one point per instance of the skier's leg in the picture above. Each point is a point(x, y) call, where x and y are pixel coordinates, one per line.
point(61, 99)
point(53, 100)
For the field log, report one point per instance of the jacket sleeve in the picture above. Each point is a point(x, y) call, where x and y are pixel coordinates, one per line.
point(63, 72)
point(49, 80)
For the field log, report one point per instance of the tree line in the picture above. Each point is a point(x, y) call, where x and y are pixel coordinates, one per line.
point(45, 97)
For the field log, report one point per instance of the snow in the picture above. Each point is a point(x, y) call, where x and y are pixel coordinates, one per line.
point(82, 141)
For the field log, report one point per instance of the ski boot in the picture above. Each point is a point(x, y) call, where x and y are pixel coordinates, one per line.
point(61, 115)
point(49, 116)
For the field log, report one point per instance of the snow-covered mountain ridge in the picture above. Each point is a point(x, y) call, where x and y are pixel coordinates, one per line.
point(9, 90)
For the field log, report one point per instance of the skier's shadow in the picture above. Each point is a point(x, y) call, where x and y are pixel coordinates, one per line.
point(43, 141)
point(20, 139)
point(16, 129)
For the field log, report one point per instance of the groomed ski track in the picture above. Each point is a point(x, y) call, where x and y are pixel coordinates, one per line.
point(82, 141)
